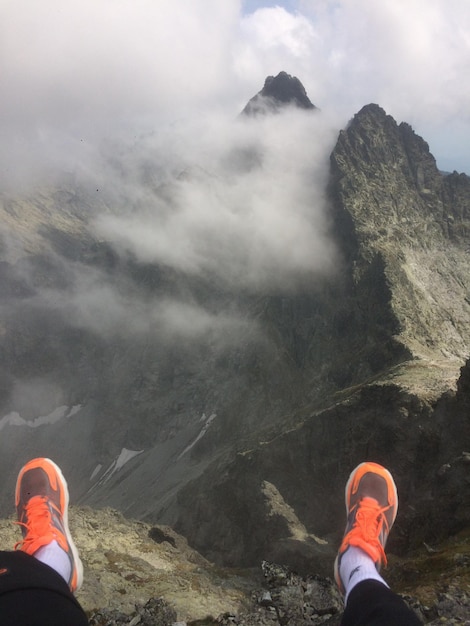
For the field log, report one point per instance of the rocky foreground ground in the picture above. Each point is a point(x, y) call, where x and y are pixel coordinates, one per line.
point(137, 574)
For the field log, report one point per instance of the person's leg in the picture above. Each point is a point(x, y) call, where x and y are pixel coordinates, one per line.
point(38, 579)
point(372, 603)
point(42, 499)
point(371, 508)
point(33, 593)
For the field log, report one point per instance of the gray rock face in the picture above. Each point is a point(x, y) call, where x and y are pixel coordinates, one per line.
point(400, 215)
point(278, 92)
point(155, 612)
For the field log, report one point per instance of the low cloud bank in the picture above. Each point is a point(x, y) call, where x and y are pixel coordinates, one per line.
point(243, 201)
point(237, 203)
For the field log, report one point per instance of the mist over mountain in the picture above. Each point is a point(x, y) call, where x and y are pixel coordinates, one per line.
point(215, 322)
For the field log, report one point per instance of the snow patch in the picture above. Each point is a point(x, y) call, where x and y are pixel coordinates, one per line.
point(124, 457)
point(61, 412)
point(207, 422)
point(96, 471)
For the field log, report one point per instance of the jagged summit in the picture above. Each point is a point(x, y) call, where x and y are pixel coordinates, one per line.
point(278, 92)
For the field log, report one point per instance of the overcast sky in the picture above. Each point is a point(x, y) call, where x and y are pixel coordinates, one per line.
point(75, 72)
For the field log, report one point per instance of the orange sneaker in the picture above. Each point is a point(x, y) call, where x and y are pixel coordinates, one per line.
point(42, 499)
point(371, 506)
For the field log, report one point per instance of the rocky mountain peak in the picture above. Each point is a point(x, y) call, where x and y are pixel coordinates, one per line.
point(278, 92)
point(377, 139)
point(396, 211)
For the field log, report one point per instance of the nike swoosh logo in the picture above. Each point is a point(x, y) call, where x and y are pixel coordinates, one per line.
point(355, 571)
point(3, 570)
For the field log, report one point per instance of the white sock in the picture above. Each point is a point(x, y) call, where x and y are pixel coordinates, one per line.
point(356, 566)
point(53, 555)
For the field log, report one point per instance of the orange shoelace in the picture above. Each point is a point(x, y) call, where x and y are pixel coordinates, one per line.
point(39, 527)
point(370, 520)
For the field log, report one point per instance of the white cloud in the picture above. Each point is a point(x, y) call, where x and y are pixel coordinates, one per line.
point(99, 59)
point(113, 308)
point(258, 225)
point(76, 72)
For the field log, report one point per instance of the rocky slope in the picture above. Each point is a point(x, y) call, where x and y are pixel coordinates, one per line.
point(128, 562)
point(135, 573)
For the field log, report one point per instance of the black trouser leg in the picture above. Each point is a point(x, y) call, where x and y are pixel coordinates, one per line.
point(33, 594)
point(371, 603)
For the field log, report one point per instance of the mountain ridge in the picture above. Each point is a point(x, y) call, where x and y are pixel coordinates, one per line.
point(234, 438)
